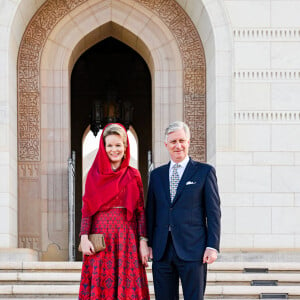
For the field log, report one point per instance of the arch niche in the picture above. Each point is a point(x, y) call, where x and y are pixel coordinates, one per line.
point(160, 31)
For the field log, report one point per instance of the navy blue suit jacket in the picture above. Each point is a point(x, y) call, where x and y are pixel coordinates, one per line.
point(193, 216)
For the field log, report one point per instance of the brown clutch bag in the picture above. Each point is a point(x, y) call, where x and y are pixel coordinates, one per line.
point(97, 239)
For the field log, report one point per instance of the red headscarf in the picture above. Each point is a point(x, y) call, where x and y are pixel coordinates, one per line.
point(103, 184)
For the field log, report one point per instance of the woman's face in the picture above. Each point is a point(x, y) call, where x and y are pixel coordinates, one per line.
point(114, 148)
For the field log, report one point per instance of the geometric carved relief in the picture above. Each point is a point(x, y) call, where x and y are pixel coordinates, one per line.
point(266, 34)
point(28, 170)
point(32, 242)
point(29, 126)
point(267, 116)
point(267, 75)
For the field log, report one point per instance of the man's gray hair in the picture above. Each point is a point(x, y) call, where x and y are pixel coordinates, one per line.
point(177, 125)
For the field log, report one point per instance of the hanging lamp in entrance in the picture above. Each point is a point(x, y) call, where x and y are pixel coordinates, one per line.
point(110, 110)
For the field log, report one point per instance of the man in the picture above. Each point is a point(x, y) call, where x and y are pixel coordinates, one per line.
point(183, 220)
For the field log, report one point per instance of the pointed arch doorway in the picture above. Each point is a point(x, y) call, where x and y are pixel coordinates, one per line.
point(109, 61)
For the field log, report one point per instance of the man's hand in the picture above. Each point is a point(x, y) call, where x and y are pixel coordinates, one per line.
point(210, 255)
point(150, 253)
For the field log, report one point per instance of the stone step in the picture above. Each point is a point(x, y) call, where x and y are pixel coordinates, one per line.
point(240, 266)
point(217, 266)
point(220, 277)
point(38, 266)
point(216, 290)
point(35, 297)
point(226, 280)
point(282, 278)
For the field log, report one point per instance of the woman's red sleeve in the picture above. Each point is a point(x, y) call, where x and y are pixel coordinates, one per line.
point(140, 212)
point(85, 225)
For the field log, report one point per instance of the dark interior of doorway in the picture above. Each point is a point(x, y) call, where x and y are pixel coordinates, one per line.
point(109, 61)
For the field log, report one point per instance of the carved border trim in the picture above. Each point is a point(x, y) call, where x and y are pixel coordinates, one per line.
point(29, 170)
point(267, 116)
point(267, 75)
point(266, 34)
point(33, 41)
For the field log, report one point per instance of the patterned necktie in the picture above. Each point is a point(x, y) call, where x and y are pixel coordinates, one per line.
point(174, 181)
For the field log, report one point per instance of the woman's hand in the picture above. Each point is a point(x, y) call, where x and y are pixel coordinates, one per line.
point(86, 245)
point(144, 252)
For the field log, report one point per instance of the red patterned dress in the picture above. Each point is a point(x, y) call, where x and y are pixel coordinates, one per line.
point(117, 272)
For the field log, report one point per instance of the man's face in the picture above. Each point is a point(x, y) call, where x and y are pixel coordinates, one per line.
point(178, 145)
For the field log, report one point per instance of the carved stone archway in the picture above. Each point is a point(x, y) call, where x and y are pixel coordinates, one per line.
point(34, 182)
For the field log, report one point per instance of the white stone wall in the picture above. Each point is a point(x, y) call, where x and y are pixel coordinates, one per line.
point(260, 177)
point(8, 132)
point(14, 17)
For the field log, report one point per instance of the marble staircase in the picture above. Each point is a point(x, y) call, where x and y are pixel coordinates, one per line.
point(226, 280)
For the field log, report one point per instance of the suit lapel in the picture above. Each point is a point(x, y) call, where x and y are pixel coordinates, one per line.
point(166, 181)
point(187, 174)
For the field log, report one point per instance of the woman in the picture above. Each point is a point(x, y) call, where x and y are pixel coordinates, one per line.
point(113, 204)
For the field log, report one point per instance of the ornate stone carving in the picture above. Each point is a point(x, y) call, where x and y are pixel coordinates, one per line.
point(267, 75)
point(267, 34)
point(32, 242)
point(282, 117)
point(29, 170)
point(29, 126)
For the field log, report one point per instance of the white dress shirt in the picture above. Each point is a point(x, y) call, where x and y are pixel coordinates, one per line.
point(181, 168)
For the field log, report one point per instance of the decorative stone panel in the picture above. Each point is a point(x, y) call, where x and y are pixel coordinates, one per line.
point(287, 117)
point(29, 170)
point(267, 75)
point(266, 34)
